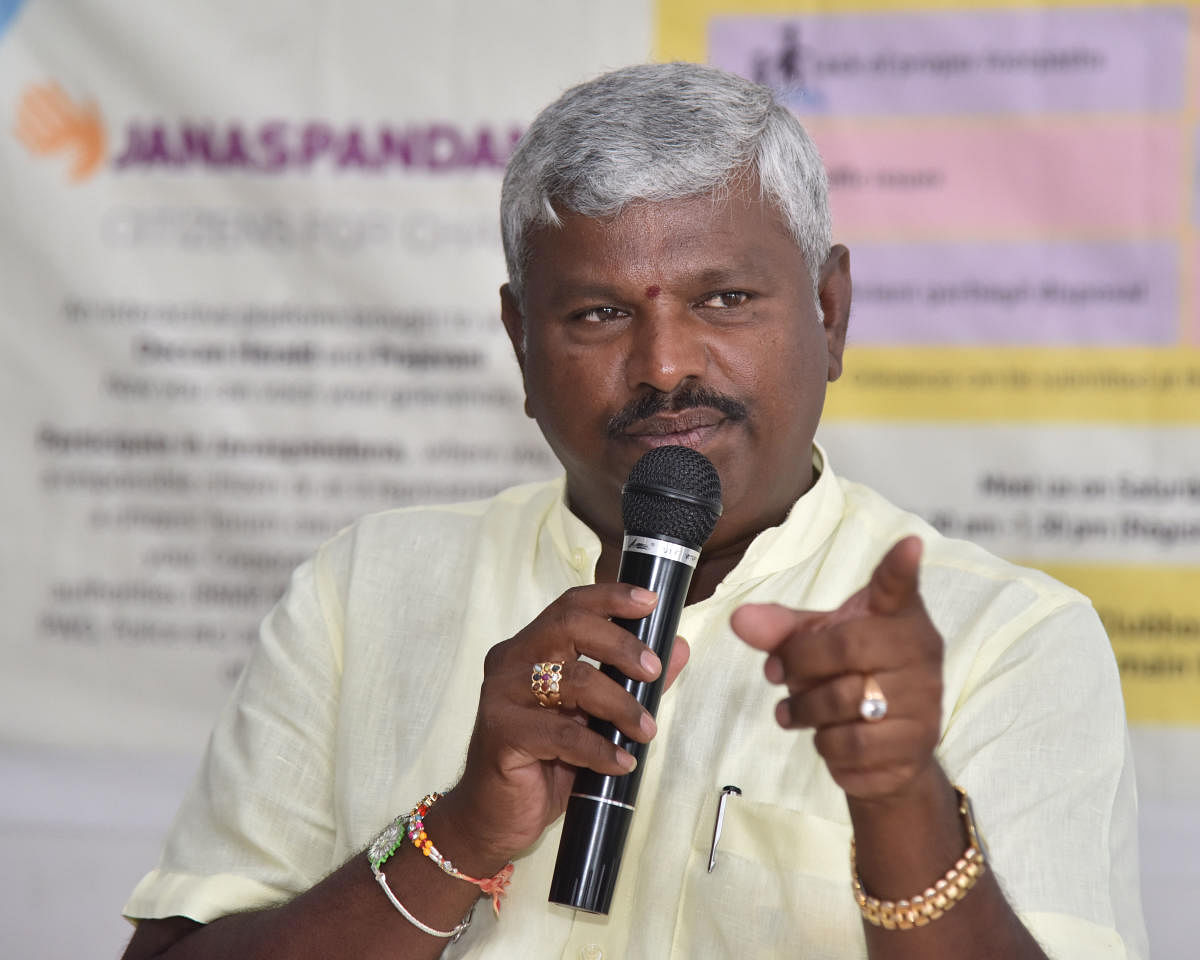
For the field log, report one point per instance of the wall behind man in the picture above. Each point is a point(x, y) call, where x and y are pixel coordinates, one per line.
point(249, 256)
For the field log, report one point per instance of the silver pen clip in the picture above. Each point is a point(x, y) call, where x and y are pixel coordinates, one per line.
point(726, 792)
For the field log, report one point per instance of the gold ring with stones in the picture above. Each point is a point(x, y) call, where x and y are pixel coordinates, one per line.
point(545, 682)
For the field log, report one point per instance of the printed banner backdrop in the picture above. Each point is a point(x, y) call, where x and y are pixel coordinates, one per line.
point(249, 258)
point(1016, 182)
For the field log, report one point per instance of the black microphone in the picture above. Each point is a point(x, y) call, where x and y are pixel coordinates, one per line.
point(669, 505)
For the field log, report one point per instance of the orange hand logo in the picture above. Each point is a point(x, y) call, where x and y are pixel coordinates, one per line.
point(48, 122)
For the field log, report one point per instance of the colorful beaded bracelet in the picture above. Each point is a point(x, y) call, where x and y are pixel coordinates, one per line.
point(414, 828)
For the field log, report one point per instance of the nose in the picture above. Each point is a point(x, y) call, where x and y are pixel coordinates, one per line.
point(666, 348)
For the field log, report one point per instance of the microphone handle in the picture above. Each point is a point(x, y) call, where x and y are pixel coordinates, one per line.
point(601, 807)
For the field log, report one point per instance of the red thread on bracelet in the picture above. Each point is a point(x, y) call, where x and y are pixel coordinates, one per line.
point(496, 886)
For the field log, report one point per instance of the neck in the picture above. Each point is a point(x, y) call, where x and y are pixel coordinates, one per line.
point(716, 561)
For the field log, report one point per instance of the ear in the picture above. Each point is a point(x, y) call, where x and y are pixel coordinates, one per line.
point(833, 291)
point(514, 325)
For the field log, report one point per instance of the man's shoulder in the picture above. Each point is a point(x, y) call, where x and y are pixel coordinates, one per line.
point(429, 532)
point(958, 560)
point(987, 608)
point(513, 500)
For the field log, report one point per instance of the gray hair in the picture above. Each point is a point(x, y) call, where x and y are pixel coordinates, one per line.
point(659, 132)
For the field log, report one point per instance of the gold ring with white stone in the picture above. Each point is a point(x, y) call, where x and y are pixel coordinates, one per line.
point(874, 706)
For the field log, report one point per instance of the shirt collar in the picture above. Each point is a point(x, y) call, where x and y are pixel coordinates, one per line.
point(808, 524)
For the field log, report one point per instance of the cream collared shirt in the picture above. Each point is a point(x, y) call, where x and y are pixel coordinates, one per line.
point(360, 697)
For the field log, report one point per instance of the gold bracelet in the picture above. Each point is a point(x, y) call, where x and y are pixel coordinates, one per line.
point(936, 900)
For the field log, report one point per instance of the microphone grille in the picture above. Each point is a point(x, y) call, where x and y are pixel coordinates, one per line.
point(672, 492)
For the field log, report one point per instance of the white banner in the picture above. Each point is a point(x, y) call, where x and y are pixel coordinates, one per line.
point(250, 258)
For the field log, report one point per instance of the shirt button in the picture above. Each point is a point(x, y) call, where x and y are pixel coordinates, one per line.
point(591, 952)
point(578, 561)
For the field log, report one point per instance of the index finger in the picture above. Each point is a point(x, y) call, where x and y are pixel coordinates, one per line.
point(580, 622)
point(767, 626)
point(609, 600)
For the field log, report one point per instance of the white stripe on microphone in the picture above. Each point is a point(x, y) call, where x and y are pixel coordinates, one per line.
point(661, 548)
point(611, 802)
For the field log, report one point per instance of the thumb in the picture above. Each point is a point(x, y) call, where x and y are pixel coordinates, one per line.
point(894, 583)
point(681, 652)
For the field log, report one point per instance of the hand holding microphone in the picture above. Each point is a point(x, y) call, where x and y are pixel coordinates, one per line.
point(670, 505)
point(523, 759)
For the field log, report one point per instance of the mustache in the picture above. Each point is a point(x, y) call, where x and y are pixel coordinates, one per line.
point(685, 398)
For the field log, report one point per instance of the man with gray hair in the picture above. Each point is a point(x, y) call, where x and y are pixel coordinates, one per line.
point(947, 774)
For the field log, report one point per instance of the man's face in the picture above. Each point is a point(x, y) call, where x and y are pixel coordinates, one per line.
point(682, 322)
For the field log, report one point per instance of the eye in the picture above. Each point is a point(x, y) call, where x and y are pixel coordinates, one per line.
point(726, 299)
point(599, 315)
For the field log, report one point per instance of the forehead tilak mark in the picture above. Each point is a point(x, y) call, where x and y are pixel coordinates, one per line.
point(653, 291)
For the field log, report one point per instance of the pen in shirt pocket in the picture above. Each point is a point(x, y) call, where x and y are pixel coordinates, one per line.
point(726, 792)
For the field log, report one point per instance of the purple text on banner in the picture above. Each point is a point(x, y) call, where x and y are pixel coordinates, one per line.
point(1010, 61)
point(1054, 294)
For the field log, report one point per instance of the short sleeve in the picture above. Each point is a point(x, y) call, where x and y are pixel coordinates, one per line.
point(255, 827)
point(1039, 740)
